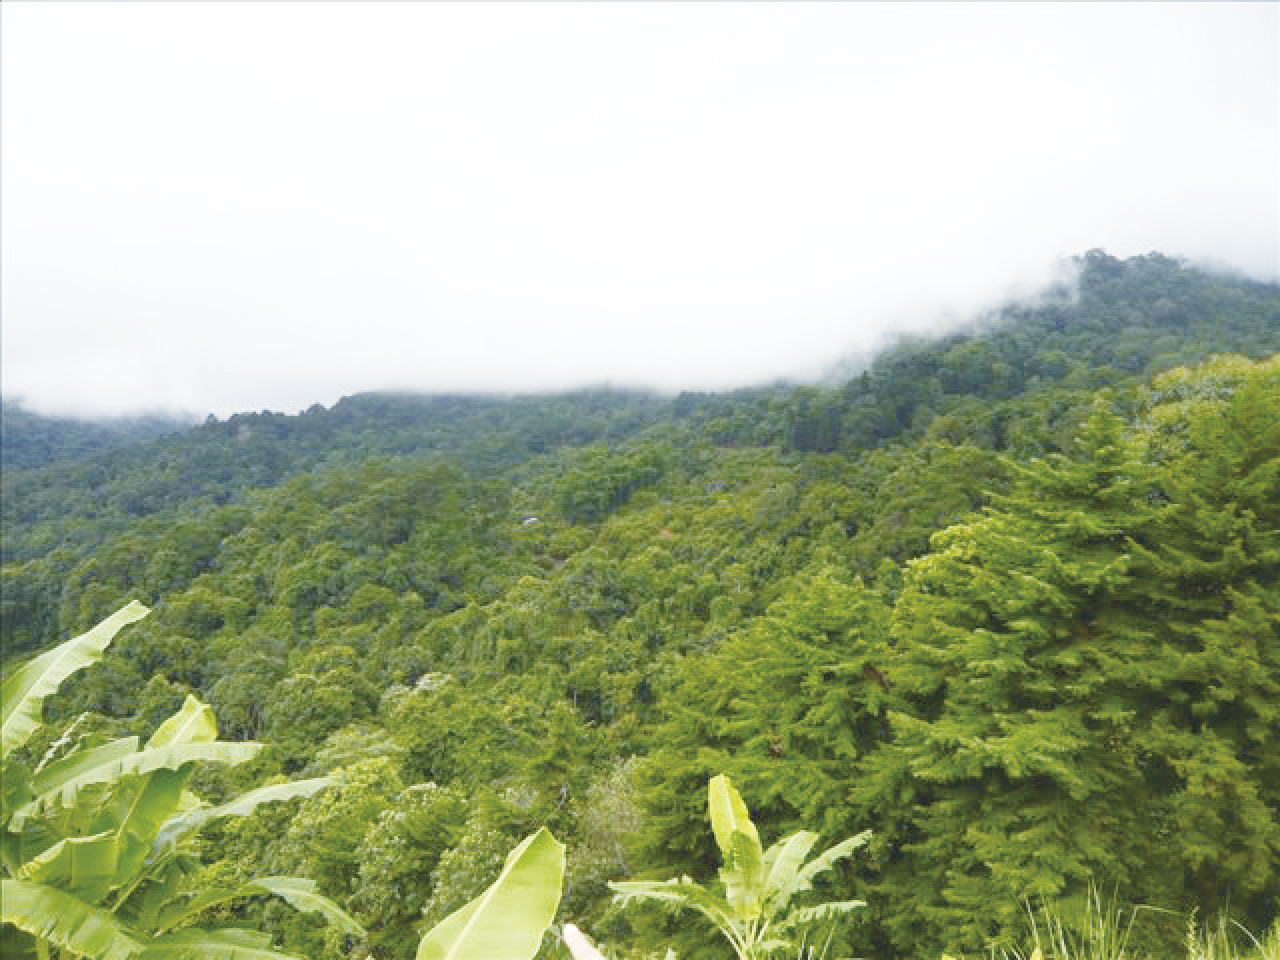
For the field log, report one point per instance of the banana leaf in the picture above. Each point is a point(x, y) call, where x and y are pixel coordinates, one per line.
point(743, 877)
point(783, 861)
point(230, 944)
point(143, 810)
point(79, 762)
point(579, 946)
point(84, 866)
point(507, 921)
point(299, 893)
point(194, 723)
point(145, 761)
point(23, 693)
point(15, 791)
point(140, 809)
point(185, 824)
point(65, 921)
point(802, 916)
point(680, 894)
point(825, 860)
point(729, 814)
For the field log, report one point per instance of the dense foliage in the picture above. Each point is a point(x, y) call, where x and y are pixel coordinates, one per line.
point(28, 439)
point(1007, 598)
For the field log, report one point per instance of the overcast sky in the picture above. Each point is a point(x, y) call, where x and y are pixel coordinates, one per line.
point(246, 206)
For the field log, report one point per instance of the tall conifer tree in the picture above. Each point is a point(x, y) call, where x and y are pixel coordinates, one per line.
point(1213, 597)
point(1010, 635)
point(1092, 668)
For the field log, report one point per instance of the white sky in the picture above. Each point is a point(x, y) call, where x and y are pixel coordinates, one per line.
point(244, 206)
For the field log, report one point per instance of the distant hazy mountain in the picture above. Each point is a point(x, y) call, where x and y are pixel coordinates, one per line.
point(29, 439)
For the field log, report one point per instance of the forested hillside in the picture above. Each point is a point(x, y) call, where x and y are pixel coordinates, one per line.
point(1009, 598)
point(28, 439)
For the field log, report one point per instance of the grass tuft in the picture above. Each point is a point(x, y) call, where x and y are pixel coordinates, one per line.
point(1226, 943)
point(1103, 932)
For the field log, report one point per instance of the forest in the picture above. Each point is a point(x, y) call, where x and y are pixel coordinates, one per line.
point(995, 623)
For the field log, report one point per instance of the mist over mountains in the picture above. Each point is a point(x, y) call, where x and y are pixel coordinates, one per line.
point(1130, 316)
point(874, 602)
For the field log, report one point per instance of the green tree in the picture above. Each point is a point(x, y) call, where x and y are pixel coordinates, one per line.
point(1011, 636)
point(1214, 599)
point(1091, 671)
point(326, 692)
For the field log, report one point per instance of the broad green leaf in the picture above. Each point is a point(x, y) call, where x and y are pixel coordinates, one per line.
point(15, 789)
point(74, 765)
point(180, 908)
point(194, 723)
point(784, 859)
point(681, 893)
point(825, 860)
point(23, 693)
point(229, 944)
point(685, 894)
point(143, 810)
point(143, 762)
point(14, 793)
point(758, 887)
point(674, 890)
point(84, 866)
point(168, 876)
point(65, 921)
point(187, 823)
point(743, 876)
point(301, 895)
point(729, 813)
point(141, 806)
point(507, 921)
point(822, 911)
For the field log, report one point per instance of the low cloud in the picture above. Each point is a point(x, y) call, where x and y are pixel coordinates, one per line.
point(219, 209)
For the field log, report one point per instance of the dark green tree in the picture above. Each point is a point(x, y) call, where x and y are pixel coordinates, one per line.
point(1214, 599)
point(1067, 658)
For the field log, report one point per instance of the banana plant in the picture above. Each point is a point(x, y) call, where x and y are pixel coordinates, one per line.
point(97, 838)
point(752, 906)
